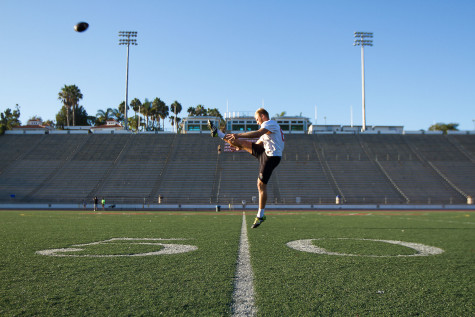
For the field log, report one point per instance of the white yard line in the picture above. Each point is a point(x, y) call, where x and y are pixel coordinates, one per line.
point(243, 295)
point(442, 221)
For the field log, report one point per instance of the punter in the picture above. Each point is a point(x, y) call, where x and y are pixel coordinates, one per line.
point(267, 149)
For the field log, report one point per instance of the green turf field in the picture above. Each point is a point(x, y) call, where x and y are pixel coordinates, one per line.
point(112, 264)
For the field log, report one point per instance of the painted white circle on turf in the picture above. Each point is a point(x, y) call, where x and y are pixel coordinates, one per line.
point(167, 248)
point(421, 249)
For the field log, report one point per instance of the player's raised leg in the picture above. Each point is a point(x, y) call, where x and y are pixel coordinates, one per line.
point(215, 132)
point(240, 144)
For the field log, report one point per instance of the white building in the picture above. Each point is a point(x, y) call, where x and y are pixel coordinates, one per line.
point(320, 128)
point(34, 126)
point(197, 124)
point(325, 129)
point(288, 124)
point(110, 126)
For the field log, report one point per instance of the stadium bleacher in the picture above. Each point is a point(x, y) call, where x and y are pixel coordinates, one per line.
point(187, 169)
point(464, 144)
point(14, 147)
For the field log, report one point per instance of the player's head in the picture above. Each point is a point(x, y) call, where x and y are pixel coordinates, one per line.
point(261, 115)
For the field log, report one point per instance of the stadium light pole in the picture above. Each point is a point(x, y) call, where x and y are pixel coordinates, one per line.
point(127, 38)
point(363, 39)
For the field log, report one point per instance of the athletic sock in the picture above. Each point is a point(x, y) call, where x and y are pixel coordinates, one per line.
point(220, 133)
point(260, 213)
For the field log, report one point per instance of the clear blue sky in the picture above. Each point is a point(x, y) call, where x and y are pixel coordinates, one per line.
point(290, 55)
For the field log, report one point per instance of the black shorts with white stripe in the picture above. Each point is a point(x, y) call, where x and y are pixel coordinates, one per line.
point(266, 163)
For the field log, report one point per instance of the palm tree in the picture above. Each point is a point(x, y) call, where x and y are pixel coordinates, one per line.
point(174, 121)
point(154, 117)
point(162, 110)
point(214, 113)
point(146, 110)
point(121, 108)
point(163, 113)
point(159, 110)
point(191, 111)
point(201, 110)
point(70, 96)
point(176, 108)
point(283, 113)
point(134, 123)
point(118, 114)
point(136, 104)
point(102, 116)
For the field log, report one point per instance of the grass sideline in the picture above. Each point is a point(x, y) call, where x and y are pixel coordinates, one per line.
point(287, 282)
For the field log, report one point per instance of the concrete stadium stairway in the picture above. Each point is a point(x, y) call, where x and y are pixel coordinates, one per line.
point(302, 174)
point(359, 179)
point(190, 172)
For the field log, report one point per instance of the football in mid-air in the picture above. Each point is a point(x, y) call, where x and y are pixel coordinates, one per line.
point(81, 27)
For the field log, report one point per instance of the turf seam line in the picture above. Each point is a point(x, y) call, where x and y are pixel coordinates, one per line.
point(243, 294)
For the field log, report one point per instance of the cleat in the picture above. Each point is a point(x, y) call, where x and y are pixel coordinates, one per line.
point(258, 222)
point(214, 130)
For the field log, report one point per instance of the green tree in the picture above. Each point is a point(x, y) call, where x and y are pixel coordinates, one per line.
point(163, 114)
point(191, 111)
point(70, 96)
point(91, 121)
point(36, 118)
point(119, 115)
point(79, 114)
point(102, 116)
point(283, 113)
point(175, 108)
point(135, 104)
point(49, 123)
point(174, 121)
point(214, 112)
point(146, 111)
point(134, 123)
point(121, 109)
point(157, 103)
point(444, 127)
point(82, 118)
point(201, 110)
point(154, 118)
point(160, 110)
point(9, 119)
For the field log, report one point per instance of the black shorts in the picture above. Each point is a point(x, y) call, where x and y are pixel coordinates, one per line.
point(266, 163)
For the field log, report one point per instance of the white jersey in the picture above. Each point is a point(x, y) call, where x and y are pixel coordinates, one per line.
point(274, 141)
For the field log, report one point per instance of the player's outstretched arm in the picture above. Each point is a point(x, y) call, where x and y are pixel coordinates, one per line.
point(251, 134)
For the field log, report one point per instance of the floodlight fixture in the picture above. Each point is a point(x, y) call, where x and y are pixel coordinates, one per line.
point(127, 38)
point(363, 39)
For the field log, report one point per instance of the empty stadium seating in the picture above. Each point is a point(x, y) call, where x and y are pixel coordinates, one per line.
point(187, 169)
